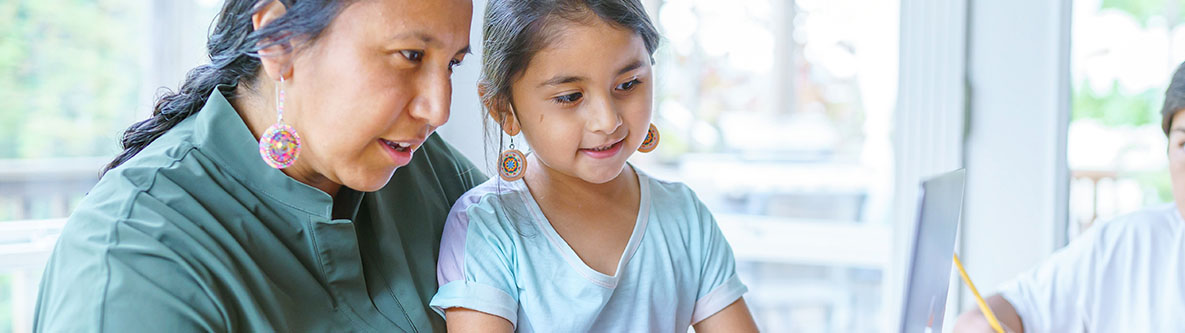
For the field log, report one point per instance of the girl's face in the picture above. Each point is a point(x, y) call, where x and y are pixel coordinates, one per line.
point(373, 87)
point(584, 102)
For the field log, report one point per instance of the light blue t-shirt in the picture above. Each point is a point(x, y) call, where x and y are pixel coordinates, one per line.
point(499, 255)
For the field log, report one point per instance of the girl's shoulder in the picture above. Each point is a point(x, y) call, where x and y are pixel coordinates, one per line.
point(674, 205)
point(666, 192)
point(491, 201)
point(493, 192)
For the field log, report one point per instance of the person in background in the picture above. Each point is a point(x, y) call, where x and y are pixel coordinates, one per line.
point(1125, 275)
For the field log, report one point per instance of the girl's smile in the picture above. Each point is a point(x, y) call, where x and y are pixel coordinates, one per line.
point(605, 151)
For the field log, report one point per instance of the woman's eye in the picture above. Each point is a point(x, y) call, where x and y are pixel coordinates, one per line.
point(569, 98)
point(628, 85)
point(412, 55)
point(452, 64)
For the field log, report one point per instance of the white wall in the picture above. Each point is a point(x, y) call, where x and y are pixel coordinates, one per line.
point(1018, 76)
point(464, 128)
point(928, 124)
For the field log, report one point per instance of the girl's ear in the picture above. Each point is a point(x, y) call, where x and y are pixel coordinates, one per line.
point(501, 112)
point(276, 59)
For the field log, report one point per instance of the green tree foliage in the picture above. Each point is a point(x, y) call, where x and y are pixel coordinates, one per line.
point(1116, 108)
point(69, 76)
point(1145, 10)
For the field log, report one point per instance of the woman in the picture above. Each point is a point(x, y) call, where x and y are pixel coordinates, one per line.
point(197, 226)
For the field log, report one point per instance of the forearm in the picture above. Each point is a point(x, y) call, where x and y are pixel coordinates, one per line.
point(734, 318)
point(466, 320)
point(974, 320)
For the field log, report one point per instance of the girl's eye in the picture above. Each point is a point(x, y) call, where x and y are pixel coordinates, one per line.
point(628, 85)
point(569, 98)
point(412, 55)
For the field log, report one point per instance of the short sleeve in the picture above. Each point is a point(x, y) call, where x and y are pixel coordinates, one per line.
point(475, 266)
point(719, 285)
point(120, 280)
point(1048, 297)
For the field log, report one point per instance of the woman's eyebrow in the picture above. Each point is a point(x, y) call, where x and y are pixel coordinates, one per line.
point(428, 39)
point(417, 34)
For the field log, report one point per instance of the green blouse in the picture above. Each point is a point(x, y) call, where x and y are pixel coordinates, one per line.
point(197, 233)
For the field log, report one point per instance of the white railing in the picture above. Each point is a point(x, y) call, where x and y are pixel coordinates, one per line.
point(805, 241)
point(24, 249)
point(45, 188)
point(39, 194)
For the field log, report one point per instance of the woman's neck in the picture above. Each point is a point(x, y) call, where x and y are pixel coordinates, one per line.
point(258, 113)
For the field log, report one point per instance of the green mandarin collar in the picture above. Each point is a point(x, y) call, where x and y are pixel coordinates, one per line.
point(220, 133)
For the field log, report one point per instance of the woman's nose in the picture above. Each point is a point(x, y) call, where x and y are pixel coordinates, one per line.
point(431, 103)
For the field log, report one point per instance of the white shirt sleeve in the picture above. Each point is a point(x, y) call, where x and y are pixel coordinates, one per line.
point(1052, 296)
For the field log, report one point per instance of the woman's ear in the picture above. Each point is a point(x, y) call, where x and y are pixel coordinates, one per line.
point(500, 112)
point(275, 59)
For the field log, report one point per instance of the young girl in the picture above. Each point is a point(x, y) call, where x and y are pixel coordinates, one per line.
point(572, 238)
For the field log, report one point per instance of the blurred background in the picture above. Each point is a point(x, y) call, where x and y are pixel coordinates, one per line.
point(805, 126)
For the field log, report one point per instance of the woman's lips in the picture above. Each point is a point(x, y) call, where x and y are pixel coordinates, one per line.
point(604, 152)
point(400, 151)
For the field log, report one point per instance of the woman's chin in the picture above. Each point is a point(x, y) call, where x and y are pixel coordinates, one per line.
point(371, 182)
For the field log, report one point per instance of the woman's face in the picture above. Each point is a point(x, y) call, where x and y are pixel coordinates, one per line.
point(368, 92)
point(584, 101)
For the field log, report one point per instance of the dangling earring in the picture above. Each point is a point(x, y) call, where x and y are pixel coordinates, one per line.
point(513, 164)
point(279, 145)
point(651, 140)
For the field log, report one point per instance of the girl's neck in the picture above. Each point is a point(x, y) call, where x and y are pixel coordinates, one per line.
point(548, 184)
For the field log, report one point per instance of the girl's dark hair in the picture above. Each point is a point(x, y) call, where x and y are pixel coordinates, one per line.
point(233, 49)
point(517, 29)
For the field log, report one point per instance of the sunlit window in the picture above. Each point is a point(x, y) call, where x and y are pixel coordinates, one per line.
point(777, 114)
point(73, 76)
point(1123, 54)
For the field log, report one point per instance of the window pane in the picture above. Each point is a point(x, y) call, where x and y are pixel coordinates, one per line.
point(1122, 55)
point(777, 114)
point(73, 75)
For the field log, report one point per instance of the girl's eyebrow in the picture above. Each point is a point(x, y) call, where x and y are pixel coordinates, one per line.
point(631, 66)
point(563, 79)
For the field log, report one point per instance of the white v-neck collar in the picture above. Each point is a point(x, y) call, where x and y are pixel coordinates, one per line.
point(565, 250)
